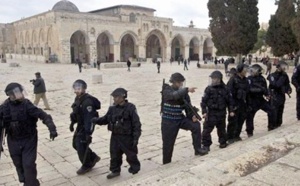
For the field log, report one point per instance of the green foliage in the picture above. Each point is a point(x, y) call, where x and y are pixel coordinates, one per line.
point(280, 35)
point(233, 25)
point(261, 41)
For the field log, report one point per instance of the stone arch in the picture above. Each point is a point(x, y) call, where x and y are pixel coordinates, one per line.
point(27, 38)
point(50, 42)
point(41, 37)
point(207, 48)
point(156, 44)
point(79, 46)
point(34, 42)
point(132, 17)
point(105, 47)
point(194, 48)
point(128, 46)
point(177, 47)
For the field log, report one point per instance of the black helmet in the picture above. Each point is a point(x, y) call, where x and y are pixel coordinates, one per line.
point(80, 82)
point(12, 86)
point(119, 92)
point(38, 74)
point(256, 69)
point(177, 77)
point(232, 71)
point(281, 64)
point(240, 67)
point(216, 74)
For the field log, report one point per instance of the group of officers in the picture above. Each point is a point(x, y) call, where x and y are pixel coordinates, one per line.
point(242, 97)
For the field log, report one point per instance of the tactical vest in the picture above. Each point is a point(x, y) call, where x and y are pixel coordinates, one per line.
point(240, 89)
point(217, 98)
point(120, 120)
point(16, 120)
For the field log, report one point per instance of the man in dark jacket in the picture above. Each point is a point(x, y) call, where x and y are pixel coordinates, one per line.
point(296, 83)
point(84, 109)
point(19, 117)
point(40, 90)
point(258, 96)
point(174, 99)
point(214, 106)
point(239, 89)
point(128, 65)
point(124, 123)
point(279, 86)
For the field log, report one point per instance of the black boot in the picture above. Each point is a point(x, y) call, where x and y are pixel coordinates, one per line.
point(201, 151)
point(112, 175)
point(223, 145)
point(83, 170)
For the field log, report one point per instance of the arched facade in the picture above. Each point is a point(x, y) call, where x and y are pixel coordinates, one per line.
point(130, 33)
point(105, 47)
point(207, 48)
point(177, 47)
point(78, 47)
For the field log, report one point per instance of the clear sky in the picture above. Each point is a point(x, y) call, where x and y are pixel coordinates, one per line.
point(182, 12)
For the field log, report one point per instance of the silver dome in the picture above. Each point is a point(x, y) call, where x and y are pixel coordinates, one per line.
point(65, 5)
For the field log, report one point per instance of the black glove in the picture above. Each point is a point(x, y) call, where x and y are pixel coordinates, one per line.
point(72, 127)
point(94, 120)
point(88, 139)
point(135, 143)
point(53, 134)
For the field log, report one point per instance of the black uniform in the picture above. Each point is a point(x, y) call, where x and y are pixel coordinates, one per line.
point(214, 103)
point(158, 66)
point(173, 119)
point(20, 119)
point(238, 88)
point(279, 86)
point(257, 90)
point(124, 123)
point(296, 83)
point(84, 109)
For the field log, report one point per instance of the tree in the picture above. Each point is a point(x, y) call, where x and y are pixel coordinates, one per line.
point(233, 25)
point(280, 36)
point(295, 23)
point(261, 41)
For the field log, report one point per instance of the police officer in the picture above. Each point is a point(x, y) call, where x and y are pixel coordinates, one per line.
point(84, 109)
point(258, 96)
point(279, 86)
point(238, 87)
point(173, 119)
point(214, 103)
point(124, 123)
point(296, 83)
point(19, 117)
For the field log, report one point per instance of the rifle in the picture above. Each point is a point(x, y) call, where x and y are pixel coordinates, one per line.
point(2, 135)
point(193, 109)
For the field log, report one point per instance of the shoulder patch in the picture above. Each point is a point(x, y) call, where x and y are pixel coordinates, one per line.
point(295, 70)
point(89, 108)
point(272, 78)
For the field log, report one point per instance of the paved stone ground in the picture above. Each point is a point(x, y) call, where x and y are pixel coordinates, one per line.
point(57, 161)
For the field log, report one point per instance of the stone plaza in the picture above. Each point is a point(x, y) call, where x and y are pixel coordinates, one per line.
point(255, 161)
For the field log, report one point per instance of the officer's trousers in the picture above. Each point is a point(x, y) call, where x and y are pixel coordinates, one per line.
point(235, 123)
point(120, 144)
point(276, 115)
point(170, 128)
point(298, 105)
point(23, 152)
point(81, 146)
point(263, 105)
point(208, 127)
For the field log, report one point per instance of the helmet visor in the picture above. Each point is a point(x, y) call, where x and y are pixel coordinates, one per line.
point(78, 87)
point(16, 94)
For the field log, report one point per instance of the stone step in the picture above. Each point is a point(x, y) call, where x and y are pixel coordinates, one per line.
point(230, 165)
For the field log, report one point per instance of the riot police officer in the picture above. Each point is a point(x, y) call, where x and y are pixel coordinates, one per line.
point(296, 83)
point(173, 119)
point(19, 118)
point(124, 123)
point(214, 103)
point(279, 86)
point(258, 96)
point(84, 109)
point(238, 87)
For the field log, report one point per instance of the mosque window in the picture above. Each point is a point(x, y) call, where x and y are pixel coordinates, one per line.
point(132, 18)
